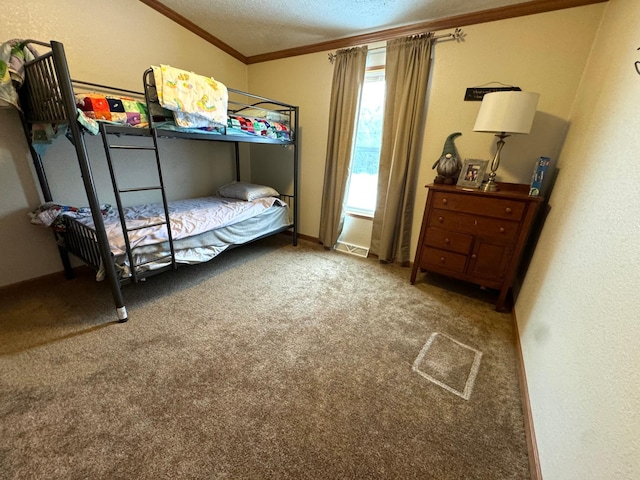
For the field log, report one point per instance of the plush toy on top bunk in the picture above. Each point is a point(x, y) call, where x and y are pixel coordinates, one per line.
point(449, 164)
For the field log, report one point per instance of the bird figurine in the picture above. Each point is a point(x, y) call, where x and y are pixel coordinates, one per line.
point(449, 164)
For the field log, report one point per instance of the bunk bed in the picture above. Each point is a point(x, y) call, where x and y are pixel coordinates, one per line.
point(126, 244)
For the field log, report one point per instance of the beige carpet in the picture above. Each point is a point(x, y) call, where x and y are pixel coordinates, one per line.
point(270, 362)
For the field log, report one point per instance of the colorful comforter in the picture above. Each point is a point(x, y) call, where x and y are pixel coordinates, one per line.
point(257, 126)
point(118, 110)
point(94, 107)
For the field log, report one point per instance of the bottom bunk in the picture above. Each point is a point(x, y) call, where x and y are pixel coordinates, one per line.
point(201, 229)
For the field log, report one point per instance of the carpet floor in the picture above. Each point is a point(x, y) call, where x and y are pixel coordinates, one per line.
point(269, 362)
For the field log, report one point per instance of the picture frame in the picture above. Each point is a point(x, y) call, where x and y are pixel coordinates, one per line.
point(472, 173)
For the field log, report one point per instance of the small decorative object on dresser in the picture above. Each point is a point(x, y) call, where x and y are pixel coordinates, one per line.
point(472, 173)
point(449, 162)
point(476, 236)
point(537, 178)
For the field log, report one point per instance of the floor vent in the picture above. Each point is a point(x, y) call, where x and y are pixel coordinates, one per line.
point(352, 249)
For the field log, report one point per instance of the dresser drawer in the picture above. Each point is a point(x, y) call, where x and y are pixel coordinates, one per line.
point(495, 229)
point(476, 204)
point(434, 257)
point(448, 240)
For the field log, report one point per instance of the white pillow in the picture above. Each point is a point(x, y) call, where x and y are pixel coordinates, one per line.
point(246, 191)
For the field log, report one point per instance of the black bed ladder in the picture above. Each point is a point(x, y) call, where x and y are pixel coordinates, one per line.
point(108, 147)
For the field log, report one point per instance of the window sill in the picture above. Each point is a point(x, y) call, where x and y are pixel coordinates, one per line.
point(360, 215)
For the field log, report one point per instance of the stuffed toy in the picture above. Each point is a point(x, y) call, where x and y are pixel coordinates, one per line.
point(449, 164)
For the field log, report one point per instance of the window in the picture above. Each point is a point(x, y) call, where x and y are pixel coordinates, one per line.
point(362, 185)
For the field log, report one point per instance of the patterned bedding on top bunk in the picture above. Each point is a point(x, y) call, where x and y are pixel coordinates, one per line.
point(120, 110)
point(186, 101)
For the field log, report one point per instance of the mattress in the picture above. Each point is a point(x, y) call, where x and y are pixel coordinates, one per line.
point(201, 228)
point(205, 246)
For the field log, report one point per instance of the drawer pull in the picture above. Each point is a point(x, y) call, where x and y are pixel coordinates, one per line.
point(501, 229)
point(474, 256)
point(441, 259)
point(447, 241)
point(508, 209)
point(444, 201)
point(440, 219)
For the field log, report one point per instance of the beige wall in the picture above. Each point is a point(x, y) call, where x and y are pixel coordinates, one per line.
point(128, 38)
point(578, 309)
point(304, 81)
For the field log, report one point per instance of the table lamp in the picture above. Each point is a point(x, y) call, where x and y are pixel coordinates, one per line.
point(504, 113)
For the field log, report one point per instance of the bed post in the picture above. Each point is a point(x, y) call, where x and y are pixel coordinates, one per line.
point(237, 155)
point(296, 166)
point(66, 89)
point(46, 192)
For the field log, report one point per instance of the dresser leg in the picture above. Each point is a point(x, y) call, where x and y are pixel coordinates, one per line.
point(413, 276)
point(503, 304)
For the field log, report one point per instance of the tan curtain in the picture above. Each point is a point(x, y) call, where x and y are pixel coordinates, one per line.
point(406, 74)
point(348, 77)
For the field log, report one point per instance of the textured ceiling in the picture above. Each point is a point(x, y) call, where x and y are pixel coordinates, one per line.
point(254, 27)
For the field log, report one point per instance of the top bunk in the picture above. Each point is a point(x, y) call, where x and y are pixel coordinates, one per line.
point(50, 96)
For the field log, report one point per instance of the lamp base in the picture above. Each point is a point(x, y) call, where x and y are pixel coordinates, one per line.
point(489, 186)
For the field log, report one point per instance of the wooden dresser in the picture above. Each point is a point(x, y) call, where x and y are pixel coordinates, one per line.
point(476, 236)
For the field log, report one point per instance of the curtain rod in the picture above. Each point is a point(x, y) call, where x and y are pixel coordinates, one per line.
point(457, 35)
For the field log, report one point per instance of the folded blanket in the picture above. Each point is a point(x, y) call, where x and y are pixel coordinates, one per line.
point(50, 214)
point(196, 101)
point(13, 55)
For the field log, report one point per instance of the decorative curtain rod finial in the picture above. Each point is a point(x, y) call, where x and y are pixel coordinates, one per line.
point(458, 35)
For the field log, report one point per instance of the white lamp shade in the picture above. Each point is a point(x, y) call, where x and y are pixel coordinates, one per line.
point(508, 112)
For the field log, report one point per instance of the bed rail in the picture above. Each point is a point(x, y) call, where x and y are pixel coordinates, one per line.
point(235, 106)
point(40, 94)
point(81, 241)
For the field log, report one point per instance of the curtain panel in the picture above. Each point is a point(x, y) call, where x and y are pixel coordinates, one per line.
point(407, 72)
point(348, 78)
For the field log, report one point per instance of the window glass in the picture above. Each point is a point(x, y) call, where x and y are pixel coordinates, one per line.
point(363, 181)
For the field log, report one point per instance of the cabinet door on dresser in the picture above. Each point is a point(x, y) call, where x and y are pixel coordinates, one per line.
point(474, 236)
point(489, 260)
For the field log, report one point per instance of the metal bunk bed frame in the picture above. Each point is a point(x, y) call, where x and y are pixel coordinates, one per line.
point(47, 97)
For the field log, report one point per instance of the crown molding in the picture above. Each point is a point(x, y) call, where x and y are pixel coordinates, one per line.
point(501, 13)
point(192, 27)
